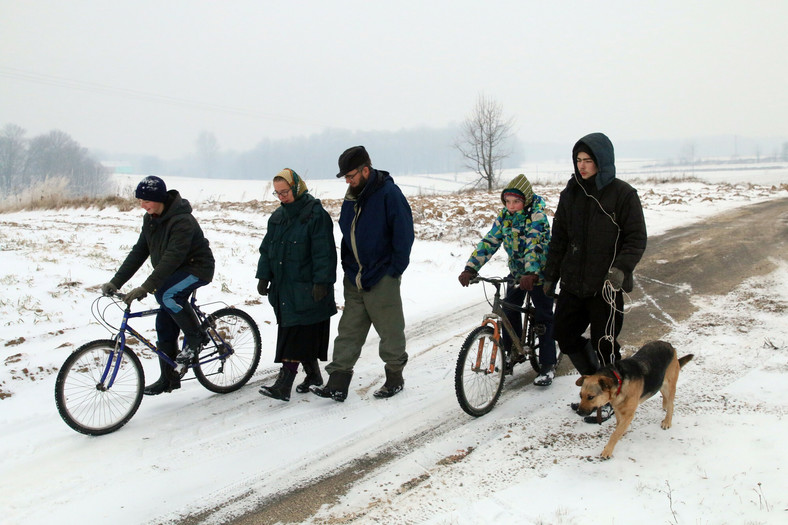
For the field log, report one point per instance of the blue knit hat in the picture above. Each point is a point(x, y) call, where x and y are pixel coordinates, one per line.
point(151, 188)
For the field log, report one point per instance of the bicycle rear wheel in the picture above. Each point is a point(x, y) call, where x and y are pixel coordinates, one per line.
point(533, 356)
point(229, 361)
point(478, 379)
point(83, 400)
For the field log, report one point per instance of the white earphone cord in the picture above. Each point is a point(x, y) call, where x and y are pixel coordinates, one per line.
point(608, 292)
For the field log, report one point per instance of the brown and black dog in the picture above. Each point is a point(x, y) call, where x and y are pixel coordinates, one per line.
point(625, 384)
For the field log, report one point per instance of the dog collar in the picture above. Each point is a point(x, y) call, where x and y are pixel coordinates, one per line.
point(618, 378)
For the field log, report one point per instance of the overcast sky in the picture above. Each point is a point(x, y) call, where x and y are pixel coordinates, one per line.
point(148, 76)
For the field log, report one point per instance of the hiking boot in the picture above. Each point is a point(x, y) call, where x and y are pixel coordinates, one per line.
point(185, 357)
point(194, 336)
point(281, 388)
point(603, 413)
point(337, 386)
point(169, 379)
point(313, 376)
point(393, 385)
point(582, 362)
point(546, 375)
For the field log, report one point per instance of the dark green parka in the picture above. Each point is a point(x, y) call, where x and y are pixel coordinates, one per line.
point(173, 241)
point(297, 252)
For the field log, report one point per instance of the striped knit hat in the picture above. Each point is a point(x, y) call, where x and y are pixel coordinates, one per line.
point(520, 188)
point(293, 180)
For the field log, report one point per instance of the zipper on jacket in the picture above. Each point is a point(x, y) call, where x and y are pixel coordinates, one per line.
point(357, 214)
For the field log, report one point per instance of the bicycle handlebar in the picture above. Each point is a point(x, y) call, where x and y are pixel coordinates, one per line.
point(494, 280)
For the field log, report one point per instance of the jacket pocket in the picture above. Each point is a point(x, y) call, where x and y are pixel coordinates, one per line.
point(302, 297)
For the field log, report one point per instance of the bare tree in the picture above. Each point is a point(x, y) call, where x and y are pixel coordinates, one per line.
point(483, 140)
point(57, 155)
point(207, 153)
point(13, 152)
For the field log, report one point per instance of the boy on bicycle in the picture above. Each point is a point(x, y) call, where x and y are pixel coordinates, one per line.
point(524, 231)
point(182, 262)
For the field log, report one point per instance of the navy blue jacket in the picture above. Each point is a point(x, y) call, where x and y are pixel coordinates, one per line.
point(377, 231)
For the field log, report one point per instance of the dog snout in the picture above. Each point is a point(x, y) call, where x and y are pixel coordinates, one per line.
point(584, 411)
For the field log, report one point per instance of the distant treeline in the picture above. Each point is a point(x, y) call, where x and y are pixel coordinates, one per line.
point(403, 152)
point(42, 160)
point(426, 151)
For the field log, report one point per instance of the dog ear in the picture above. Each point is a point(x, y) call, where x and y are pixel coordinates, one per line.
point(580, 380)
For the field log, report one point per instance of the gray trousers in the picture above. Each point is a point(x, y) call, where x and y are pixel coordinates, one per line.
point(380, 307)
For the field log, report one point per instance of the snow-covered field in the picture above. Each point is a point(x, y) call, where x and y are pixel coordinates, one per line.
point(529, 461)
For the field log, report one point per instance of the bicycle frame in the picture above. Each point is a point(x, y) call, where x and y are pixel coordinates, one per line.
point(113, 363)
point(522, 345)
point(483, 363)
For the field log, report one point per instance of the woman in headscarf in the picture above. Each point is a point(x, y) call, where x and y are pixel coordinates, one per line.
point(297, 270)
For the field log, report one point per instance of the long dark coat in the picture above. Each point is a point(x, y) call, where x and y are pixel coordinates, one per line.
point(297, 252)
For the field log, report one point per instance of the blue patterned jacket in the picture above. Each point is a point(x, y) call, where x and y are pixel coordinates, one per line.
point(524, 235)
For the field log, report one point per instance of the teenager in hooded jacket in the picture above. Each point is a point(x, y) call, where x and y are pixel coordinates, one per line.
point(599, 236)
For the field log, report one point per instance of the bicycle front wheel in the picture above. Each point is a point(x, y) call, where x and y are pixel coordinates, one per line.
point(478, 378)
point(85, 402)
point(229, 361)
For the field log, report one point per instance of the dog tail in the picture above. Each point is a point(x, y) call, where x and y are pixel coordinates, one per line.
point(684, 360)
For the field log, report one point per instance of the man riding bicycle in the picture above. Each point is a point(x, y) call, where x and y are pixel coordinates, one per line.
point(182, 262)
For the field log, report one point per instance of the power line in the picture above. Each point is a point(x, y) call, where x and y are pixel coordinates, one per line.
point(91, 87)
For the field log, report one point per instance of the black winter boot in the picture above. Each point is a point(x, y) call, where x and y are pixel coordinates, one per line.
point(586, 362)
point(593, 357)
point(169, 379)
point(582, 360)
point(337, 386)
point(313, 376)
point(194, 337)
point(281, 388)
point(393, 385)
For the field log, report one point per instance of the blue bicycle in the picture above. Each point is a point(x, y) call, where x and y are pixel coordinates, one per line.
point(99, 387)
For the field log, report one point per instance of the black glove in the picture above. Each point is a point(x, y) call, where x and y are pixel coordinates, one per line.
point(549, 288)
point(615, 277)
point(137, 293)
point(527, 282)
point(466, 276)
point(319, 291)
point(108, 289)
point(262, 286)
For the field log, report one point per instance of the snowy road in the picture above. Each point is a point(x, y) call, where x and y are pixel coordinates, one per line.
point(197, 457)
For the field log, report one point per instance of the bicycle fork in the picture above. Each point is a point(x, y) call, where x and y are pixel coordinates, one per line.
point(489, 320)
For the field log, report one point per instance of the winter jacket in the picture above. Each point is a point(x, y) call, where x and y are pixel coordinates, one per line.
point(173, 241)
point(297, 252)
point(524, 235)
point(598, 224)
point(377, 231)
